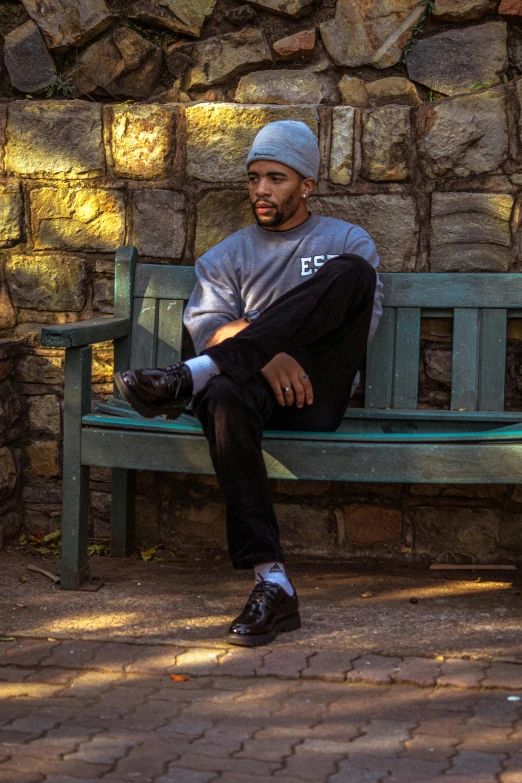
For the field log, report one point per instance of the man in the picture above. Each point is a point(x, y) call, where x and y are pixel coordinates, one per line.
point(280, 317)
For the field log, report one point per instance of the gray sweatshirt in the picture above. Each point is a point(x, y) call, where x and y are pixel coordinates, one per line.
point(252, 268)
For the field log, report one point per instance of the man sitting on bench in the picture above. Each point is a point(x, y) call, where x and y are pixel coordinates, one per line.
point(280, 317)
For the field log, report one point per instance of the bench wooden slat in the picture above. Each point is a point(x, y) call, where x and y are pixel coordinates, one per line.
point(464, 375)
point(164, 282)
point(407, 346)
point(379, 363)
point(492, 360)
point(435, 463)
point(144, 332)
point(464, 290)
point(170, 331)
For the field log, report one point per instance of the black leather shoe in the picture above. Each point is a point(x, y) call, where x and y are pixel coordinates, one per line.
point(268, 611)
point(166, 390)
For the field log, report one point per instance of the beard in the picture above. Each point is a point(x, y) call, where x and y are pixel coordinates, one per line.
point(283, 212)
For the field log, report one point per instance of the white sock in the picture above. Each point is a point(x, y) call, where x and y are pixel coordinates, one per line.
point(202, 369)
point(274, 572)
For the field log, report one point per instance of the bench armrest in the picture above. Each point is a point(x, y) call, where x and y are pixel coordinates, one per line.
point(95, 330)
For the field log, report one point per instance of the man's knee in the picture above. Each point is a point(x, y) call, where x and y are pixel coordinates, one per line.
point(220, 392)
point(354, 268)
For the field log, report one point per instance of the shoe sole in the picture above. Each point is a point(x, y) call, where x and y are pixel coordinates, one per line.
point(140, 407)
point(286, 624)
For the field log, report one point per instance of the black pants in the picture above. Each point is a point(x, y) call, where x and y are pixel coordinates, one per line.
point(324, 324)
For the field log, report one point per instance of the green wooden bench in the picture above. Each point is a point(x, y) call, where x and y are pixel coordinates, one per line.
point(387, 441)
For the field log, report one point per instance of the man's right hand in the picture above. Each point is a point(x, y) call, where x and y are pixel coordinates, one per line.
point(283, 371)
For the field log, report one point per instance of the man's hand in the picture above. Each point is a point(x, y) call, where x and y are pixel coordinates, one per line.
point(227, 330)
point(283, 371)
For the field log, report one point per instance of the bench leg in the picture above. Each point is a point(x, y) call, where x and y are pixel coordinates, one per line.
point(75, 498)
point(123, 512)
point(75, 525)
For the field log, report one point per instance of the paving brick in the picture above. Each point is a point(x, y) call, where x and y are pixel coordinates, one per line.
point(51, 675)
point(29, 690)
point(240, 662)
point(504, 675)
point(478, 764)
point(493, 708)
point(309, 766)
point(281, 662)
point(440, 725)
point(430, 747)
point(266, 749)
point(33, 724)
point(72, 655)
point(153, 660)
point(404, 701)
point(116, 701)
point(146, 762)
point(213, 764)
point(460, 673)
point(179, 775)
point(233, 777)
point(487, 739)
point(331, 666)
point(30, 652)
point(382, 737)
point(99, 750)
point(7, 776)
point(92, 683)
point(24, 764)
point(11, 674)
point(150, 716)
point(187, 725)
point(452, 700)
point(373, 668)
point(415, 770)
point(114, 656)
point(70, 779)
point(352, 771)
point(199, 662)
point(419, 671)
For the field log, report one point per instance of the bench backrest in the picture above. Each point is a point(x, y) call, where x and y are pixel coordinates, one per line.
point(479, 303)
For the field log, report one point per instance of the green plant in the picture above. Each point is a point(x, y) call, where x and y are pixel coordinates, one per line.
point(64, 86)
point(429, 5)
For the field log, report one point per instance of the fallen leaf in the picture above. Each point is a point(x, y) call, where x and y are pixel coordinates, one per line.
point(52, 536)
point(179, 678)
point(7, 639)
point(367, 595)
point(23, 579)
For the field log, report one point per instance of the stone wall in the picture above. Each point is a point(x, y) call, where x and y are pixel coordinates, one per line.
point(421, 145)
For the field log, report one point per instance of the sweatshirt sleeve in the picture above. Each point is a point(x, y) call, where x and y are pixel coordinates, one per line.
point(214, 301)
point(360, 243)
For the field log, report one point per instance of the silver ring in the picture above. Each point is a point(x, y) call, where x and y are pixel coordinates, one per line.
point(287, 388)
point(305, 377)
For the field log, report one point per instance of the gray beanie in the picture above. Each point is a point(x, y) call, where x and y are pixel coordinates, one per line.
point(289, 142)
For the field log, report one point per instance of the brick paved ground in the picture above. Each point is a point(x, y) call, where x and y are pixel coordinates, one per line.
point(90, 711)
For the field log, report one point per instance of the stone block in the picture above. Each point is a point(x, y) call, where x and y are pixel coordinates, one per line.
point(304, 528)
point(82, 219)
point(178, 59)
point(465, 136)
point(41, 367)
point(7, 313)
point(285, 87)
point(511, 8)
point(369, 32)
point(437, 366)
point(123, 64)
point(43, 458)
point(11, 214)
point(293, 8)
point(216, 60)
point(181, 16)
point(29, 64)
point(72, 131)
point(44, 414)
point(8, 473)
point(220, 215)
point(393, 89)
point(456, 60)
point(465, 10)
point(385, 135)
point(470, 533)
point(220, 135)
point(470, 232)
point(142, 141)
point(53, 283)
point(293, 47)
point(158, 223)
point(67, 23)
point(389, 219)
point(10, 410)
point(103, 295)
point(341, 153)
point(240, 15)
point(366, 525)
point(353, 91)
point(103, 363)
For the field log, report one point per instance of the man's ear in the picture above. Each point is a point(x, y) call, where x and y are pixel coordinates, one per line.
point(309, 184)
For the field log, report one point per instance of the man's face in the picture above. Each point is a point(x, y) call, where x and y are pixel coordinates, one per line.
point(276, 192)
